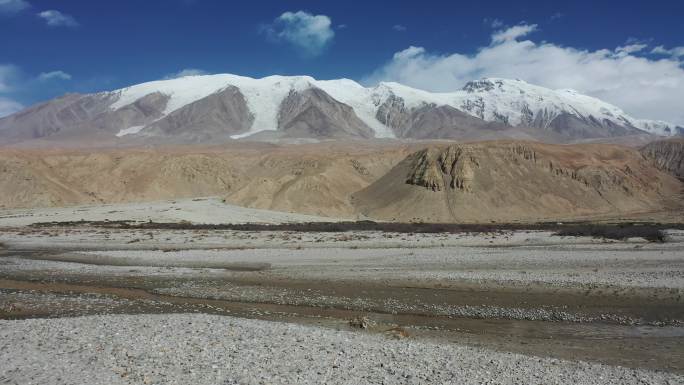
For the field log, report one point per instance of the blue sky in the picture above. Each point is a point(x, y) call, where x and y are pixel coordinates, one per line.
point(49, 47)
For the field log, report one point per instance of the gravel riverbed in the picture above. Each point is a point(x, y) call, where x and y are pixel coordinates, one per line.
point(208, 349)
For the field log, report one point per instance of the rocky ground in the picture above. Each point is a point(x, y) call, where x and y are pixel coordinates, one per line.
point(468, 308)
point(206, 349)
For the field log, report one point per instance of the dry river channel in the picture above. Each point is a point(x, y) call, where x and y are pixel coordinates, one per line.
point(617, 303)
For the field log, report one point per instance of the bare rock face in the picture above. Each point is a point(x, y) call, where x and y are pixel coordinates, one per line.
point(312, 113)
point(216, 116)
point(430, 121)
point(427, 172)
point(53, 117)
point(667, 155)
point(395, 115)
point(77, 116)
point(139, 113)
point(438, 170)
point(574, 127)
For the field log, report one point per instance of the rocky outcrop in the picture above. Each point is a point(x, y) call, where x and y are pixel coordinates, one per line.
point(456, 166)
point(451, 168)
point(667, 155)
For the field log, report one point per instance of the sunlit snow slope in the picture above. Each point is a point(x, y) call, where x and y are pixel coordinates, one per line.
point(513, 102)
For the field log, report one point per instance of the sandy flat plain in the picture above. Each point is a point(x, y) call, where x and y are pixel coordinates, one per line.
point(194, 210)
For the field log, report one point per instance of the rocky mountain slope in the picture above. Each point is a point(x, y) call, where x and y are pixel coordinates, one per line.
point(508, 181)
point(211, 108)
point(668, 155)
point(500, 181)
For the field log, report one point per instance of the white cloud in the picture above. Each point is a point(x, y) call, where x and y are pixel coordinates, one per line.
point(13, 6)
point(8, 75)
point(513, 33)
point(309, 33)
point(9, 106)
point(643, 87)
point(61, 75)
point(55, 18)
point(494, 23)
point(676, 52)
point(629, 49)
point(399, 28)
point(186, 72)
point(15, 84)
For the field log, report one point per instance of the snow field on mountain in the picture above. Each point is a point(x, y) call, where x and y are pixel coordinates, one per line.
point(490, 99)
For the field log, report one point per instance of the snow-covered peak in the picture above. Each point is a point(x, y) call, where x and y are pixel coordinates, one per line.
point(514, 102)
point(517, 102)
point(263, 96)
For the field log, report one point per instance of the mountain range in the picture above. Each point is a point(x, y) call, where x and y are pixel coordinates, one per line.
point(223, 108)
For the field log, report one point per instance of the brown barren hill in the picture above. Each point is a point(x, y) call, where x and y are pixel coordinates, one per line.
point(667, 155)
point(307, 178)
point(511, 181)
point(403, 181)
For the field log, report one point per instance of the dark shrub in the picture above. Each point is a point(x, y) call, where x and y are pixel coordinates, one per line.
point(620, 232)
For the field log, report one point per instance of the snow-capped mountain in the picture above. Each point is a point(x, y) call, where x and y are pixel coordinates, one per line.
point(226, 107)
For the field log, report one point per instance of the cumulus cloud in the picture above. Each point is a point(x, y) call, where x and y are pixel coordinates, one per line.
point(624, 76)
point(9, 106)
point(16, 84)
point(629, 49)
point(8, 75)
point(54, 75)
point(55, 18)
point(186, 72)
point(399, 28)
point(494, 23)
point(676, 52)
point(309, 33)
point(513, 33)
point(10, 7)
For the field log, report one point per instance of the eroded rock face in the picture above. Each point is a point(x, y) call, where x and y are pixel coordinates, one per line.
point(667, 155)
point(452, 168)
point(474, 168)
point(427, 171)
point(394, 114)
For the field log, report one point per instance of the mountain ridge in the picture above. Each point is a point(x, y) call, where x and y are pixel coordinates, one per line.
point(499, 108)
